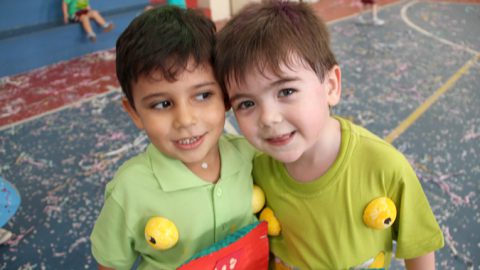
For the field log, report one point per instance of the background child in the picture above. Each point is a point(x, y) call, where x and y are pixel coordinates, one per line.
point(372, 4)
point(319, 172)
point(156, 3)
point(80, 11)
point(190, 174)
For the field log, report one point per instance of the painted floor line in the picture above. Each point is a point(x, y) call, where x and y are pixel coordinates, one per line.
point(429, 34)
point(451, 81)
point(432, 99)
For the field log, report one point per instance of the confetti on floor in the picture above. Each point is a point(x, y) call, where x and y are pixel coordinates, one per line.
point(61, 161)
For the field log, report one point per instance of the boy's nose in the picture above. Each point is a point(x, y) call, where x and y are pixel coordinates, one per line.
point(269, 116)
point(184, 116)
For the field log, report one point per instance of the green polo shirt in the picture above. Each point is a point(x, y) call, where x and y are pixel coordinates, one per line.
point(152, 184)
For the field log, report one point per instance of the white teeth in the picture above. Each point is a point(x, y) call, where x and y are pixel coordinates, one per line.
point(188, 140)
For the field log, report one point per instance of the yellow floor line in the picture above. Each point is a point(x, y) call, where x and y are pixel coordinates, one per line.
point(420, 110)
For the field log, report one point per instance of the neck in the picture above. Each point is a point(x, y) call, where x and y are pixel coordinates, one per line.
point(319, 158)
point(208, 169)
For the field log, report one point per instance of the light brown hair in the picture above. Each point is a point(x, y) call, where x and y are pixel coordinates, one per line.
point(266, 35)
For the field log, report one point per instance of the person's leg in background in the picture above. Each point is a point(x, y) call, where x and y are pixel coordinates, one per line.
point(84, 19)
point(375, 18)
point(370, 4)
point(94, 14)
point(85, 22)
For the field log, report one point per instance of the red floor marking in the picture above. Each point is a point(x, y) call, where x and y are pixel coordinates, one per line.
point(26, 95)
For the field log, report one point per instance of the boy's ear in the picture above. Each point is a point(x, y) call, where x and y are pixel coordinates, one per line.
point(133, 113)
point(333, 83)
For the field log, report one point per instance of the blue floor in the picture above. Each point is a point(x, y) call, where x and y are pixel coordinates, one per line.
point(22, 53)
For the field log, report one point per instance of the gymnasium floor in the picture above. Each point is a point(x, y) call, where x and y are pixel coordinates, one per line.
point(414, 81)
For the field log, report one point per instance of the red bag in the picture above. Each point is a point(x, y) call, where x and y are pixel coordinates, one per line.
point(244, 250)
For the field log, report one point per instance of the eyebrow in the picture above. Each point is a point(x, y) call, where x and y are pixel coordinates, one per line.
point(280, 81)
point(196, 86)
point(283, 80)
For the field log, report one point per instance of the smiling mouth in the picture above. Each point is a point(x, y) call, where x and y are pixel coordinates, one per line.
point(190, 142)
point(281, 140)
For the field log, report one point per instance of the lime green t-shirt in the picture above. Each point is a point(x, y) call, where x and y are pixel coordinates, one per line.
point(321, 221)
point(76, 5)
point(152, 184)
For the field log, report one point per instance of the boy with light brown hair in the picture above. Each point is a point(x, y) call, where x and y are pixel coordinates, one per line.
point(341, 194)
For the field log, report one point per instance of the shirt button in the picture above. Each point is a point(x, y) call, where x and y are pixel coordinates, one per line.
point(219, 192)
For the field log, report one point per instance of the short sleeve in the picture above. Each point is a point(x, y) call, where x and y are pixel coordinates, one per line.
point(112, 244)
point(417, 230)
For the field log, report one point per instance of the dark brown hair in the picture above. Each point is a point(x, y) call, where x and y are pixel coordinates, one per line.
point(163, 39)
point(266, 35)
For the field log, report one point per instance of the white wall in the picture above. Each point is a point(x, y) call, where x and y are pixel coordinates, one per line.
point(220, 9)
point(236, 5)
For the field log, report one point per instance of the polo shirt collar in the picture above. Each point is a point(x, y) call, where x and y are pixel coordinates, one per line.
point(172, 175)
point(233, 160)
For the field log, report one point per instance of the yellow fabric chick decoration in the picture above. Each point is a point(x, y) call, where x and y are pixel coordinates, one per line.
point(161, 233)
point(273, 224)
point(380, 213)
point(258, 202)
point(379, 261)
point(258, 199)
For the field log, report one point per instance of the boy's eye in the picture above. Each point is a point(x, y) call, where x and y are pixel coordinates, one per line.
point(162, 104)
point(203, 96)
point(245, 105)
point(286, 92)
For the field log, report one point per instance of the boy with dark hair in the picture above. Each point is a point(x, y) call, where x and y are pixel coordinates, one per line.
point(341, 194)
point(192, 182)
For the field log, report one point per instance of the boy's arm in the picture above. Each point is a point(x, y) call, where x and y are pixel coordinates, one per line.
point(425, 262)
point(65, 12)
point(111, 240)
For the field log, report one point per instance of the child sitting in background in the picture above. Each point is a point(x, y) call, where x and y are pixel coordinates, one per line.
point(80, 11)
point(340, 194)
point(190, 174)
